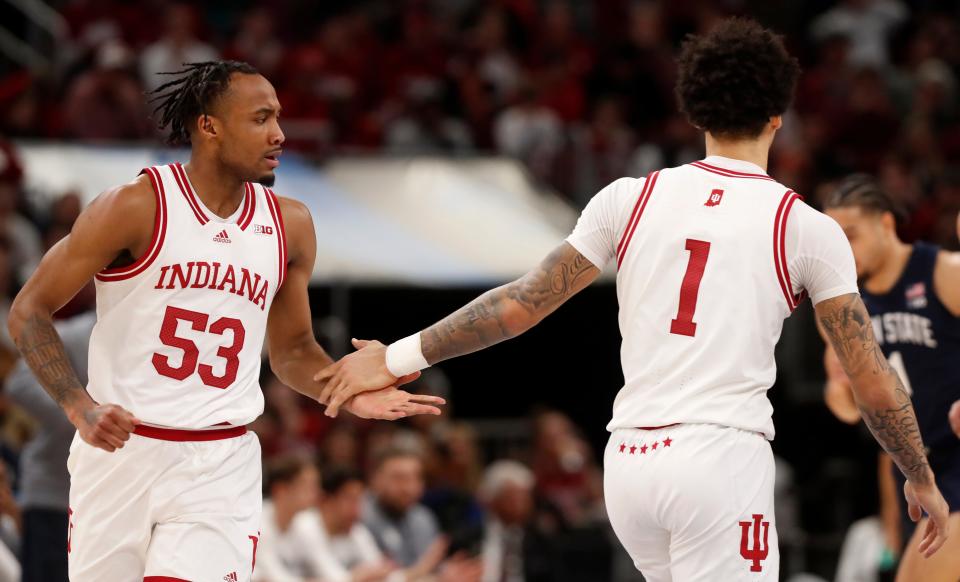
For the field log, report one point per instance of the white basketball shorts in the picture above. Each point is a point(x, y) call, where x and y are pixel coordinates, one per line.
point(693, 502)
point(167, 507)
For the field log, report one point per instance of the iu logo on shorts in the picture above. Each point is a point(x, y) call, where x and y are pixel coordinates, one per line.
point(755, 553)
point(715, 197)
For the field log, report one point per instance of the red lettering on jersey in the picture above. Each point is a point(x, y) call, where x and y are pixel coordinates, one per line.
point(246, 284)
point(177, 273)
point(204, 275)
point(715, 198)
point(230, 276)
point(163, 274)
point(261, 298)
point(216, 275)
point(202, 267)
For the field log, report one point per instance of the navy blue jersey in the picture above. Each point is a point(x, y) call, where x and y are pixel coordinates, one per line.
point(921, 339)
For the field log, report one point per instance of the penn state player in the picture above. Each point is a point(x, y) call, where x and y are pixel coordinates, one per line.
point(711, 257)
point(912, 293)
point(194, 265)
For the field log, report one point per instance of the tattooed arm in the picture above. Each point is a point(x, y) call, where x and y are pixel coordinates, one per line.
point(495, 316)
point(118, 226)
point(885, 407)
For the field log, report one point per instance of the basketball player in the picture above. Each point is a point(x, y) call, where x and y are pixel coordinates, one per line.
point(195, 266)
point(913, 295)
point(711, 258)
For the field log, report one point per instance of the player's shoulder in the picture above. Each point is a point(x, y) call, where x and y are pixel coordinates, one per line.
point(128, 204)
point(295, 214)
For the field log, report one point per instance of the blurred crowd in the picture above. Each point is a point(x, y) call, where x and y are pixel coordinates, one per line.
point(581, 92)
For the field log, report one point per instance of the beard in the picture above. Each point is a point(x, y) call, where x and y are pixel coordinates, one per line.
point(267, 180)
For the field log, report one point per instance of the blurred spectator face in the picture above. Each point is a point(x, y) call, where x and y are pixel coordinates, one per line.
point(346, 504)
point(646, 28)
point(869, 234)
point(514, 504)
point(180, 23)
point(246, 119)
point(340, 448)
point(398, 482)
point(301, 492)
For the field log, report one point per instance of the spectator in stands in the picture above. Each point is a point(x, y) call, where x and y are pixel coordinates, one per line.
point(868, 24)
point(11, 528)
point(513, 549)
point(107, 101)
point(26, 247)
point(178, 45)
point(404, 529)
point(530, 132)
point(256, 43)
point(567, 474)
point(292, 485)
point(424, 127)
point(44, 481)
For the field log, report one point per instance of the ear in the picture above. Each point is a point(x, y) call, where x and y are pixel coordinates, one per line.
point(206, 127)
point(889, 221)
point(776, 122)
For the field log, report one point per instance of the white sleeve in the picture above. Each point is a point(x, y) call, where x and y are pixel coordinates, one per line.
point(819, 257)
point(595, 236)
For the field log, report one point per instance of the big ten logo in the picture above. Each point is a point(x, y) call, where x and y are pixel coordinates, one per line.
point(262, 229)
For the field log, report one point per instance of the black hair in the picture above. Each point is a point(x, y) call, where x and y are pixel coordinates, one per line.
point(733, 79)
point(864, 192)
point(196, 87)
point(334, 479)
point(283, 469)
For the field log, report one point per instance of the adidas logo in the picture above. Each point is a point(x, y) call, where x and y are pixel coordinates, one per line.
point(231, 577)
point(222, 237)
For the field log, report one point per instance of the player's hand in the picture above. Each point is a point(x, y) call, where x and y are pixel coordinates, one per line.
point(105, 426)
point(362, 371)
point(928, 499)
point(954, 417)
point(392, 404)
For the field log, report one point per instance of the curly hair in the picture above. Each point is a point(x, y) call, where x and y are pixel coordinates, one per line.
point(191, 93)
point(734, 78)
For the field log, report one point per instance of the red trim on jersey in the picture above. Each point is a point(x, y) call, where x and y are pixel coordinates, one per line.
point(183, 435)
point(779, 249)
point(181, 177)
point(274, 205)
point(729, 173)
point(163, 579)
point(156, 242)
point(249, 206)
point(656, 427)
point(648, 186)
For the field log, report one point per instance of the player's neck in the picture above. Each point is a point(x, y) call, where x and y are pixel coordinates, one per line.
point(755, 151)
point(884, 278)
point(218, 191)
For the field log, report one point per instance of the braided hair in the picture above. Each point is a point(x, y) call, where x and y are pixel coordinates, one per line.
point(863, 191)
point(180, 101)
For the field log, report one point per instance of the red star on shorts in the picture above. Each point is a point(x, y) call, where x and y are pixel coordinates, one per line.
point(654, 447)
point(643, 450)
point(667, 441)
point(633, 449)
point(622, 447)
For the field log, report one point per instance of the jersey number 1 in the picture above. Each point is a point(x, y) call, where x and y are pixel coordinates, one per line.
point(683, 324)
point(188, 364)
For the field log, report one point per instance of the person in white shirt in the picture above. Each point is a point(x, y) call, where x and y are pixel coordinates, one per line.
point(711, 258)
point(283, 554)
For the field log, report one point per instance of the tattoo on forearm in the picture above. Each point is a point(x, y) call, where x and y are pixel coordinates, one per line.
point(486, 321)
point(893, 424)
point(43, 350)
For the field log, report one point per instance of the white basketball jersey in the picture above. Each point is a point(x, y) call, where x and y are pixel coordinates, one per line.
point(180, 331)
point(704, 285)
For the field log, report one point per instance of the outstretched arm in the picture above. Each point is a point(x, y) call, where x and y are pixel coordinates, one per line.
point(295, 355)
point(885, 407)
point(497, 315)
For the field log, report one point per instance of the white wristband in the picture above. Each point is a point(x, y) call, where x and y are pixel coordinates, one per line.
point(405, 357)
